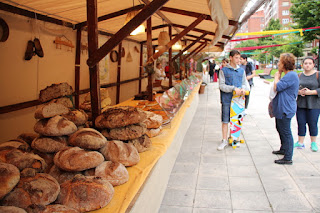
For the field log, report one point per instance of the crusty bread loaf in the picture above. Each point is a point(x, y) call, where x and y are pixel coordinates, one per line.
point(114, 172)
point(50, 110)
point(115, 117)
point(55, 126)
point(11, 209)
point(41, 189)
point(54, 208)
point(76, 159)
point(153, 132)
point(142, 144)
point(47, 157)
point(27, 137)
point(17, 144)
point(125, 133)
point(124, 153)
point(60, 175)
point(64, 101)
point(55, 91)
point(9, 177)
point(78, 117)
point(49, 144)
point(86, 193)
point(153, 121)
point(24, 160)
point(87, 138)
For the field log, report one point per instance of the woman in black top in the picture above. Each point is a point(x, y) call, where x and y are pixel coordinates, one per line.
point(308, 104)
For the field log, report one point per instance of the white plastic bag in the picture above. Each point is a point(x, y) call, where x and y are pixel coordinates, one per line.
point(272, 93)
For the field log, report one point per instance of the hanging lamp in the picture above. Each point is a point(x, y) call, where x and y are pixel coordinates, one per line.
point(163, 38)
point(177, 46)
point(138, 30)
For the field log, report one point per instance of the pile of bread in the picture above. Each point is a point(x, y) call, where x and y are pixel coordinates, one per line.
point(104, 97)
point(67, 167)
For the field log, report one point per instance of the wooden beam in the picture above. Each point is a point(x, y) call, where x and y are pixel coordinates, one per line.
point(175, 39)
point(198, 50)
point(140, 67)
point(160, 26)
point(143, 15)
point(77, 69)
point(119, 73)
point(92, 48)
point(170, 58)
point(188, 47)
point(113, 15)
point(149, 54)
point(193, 51)
point(192, 14)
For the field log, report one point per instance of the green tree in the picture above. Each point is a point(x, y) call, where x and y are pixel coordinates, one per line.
point(247, 43)
point(295, 49)
point(306, 14)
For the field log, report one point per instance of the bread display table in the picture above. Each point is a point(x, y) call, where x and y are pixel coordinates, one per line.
point(160, 160)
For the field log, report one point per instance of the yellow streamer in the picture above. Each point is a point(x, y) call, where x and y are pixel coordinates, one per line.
point(270, 32)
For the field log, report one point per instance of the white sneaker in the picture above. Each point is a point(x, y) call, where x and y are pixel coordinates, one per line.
point(223, 144)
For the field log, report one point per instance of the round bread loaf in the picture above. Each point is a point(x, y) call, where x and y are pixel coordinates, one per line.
point(78, 117)
point(55, 126)
point(60, 175)
point(41, 189)
point(64, 101)
point(153, 132)
point(115, 117)
point(47, 157)
point(142, 144)
point(17, 144)
point(54, 208)
point(85, 193)
point(49, 144)
point(55, 91)
point(11, 209)
point(120, 152)
point(114, 172)
point(76, 159)
point(153, 121)
point(9, 177)
point(87, 138)
point(125, 133)
point(27, 137)
point(50, 110)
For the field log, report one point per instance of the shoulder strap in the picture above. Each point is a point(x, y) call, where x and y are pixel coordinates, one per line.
point(299, 74)
point(317, 74)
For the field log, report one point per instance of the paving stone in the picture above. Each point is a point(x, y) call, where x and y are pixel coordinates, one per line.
point(314, 199)
point(183, 181)
point(242, 171)
point(250, 201)
point(214, 159)
point(239, 161)
point(178, 197)
point(303, 170)
point(213, 169)
point(308, 184)
point(213, 183)
point(245, 184)
point(279, 184)
point(185, 168)
point(212, 199)
point(175, 209)
point(207, 210)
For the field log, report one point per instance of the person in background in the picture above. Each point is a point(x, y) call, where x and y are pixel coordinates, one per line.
point(166, 69)
point(159, 73)
point(284, 105)
point(211, 70)
point(231, 78)
point(308, 102)
point(250, 73)
point(224, 62)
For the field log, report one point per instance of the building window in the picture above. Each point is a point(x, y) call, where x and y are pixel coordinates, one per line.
point(285, 12)
point(285, 21)
point(285, 3)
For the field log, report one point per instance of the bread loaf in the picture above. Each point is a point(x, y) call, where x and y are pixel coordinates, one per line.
point(64, 101)
point(78, 117)
point(115, 117)
point(76, 159)
point(125, 133)
point(47, 157)
point(114, 172)
point(56, 126)
point(11, 209)
point(60, 175)
point(49, 144)
point(87, 138)
point(153, 121)
point(55, 91)
point(41, 189)
point(124, 153)
point(153, 132)
point(27, 137)
point(86, 193)
point(9, 177)
point(142, 144)
point(50, 110)
point(54, 208)
point(17, 144)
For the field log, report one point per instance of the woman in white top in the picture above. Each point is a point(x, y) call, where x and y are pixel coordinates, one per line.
point(159, 72)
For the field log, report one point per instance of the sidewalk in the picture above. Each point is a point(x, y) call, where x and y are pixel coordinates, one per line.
point(246, 179)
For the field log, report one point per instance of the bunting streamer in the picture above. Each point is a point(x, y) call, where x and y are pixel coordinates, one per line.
point(265, 46)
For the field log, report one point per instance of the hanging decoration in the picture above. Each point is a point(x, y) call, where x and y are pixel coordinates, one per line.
point(163, 38)
point(131, 15)
point(265, 46)
point(59, 42)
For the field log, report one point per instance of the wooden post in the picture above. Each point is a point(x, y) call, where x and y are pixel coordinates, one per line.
point(186, 69)
point(92, 48)
point(119, 74)
point(180, 65)
point(141, 67)
point(150, 53)
point(77, 69)
point(170, 58)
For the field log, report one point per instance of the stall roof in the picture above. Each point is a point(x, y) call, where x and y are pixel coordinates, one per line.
point(179, 12)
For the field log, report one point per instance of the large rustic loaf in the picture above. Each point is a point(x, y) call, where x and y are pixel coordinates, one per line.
point(55, 91)
point(125, 133)
point(60, 175)
point(54, 208)
point(124, 153)
point(153, 120)
point(55, 126)
point(49, 144)
point(47, 157)
point(17, 144)
point(9, 177)
point(115, 117)
point(50, 110)
point(41, 189)
point(153, 132)
point(11, 209)
point(76, 159)
point(114, 172)
point(142, 144)
point(27, 137)
point(85, 193)
point(87, 138)
point(64, 101)
point(78, 117)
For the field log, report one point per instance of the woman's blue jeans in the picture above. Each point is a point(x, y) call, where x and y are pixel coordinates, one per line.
point(284, 129)
point(310, 117)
